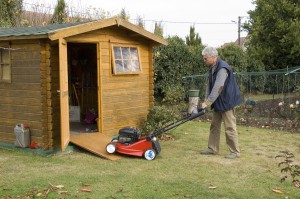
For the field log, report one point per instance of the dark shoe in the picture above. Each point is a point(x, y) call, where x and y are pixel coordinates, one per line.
point(207, 152)
point(232, 156)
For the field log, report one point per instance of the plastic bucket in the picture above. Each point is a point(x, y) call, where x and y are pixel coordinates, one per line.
point(193, 101)
point(22, 135)
point(194, 93)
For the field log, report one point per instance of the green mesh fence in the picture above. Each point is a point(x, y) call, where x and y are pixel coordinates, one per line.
point(278, 83)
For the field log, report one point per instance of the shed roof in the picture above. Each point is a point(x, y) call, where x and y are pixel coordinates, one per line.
point(35, 30)
point(57, 31)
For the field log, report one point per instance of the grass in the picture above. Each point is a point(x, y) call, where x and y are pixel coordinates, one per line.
point(179, 171)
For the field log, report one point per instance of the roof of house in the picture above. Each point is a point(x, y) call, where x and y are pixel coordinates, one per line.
point(57, 31)
point(242, 42)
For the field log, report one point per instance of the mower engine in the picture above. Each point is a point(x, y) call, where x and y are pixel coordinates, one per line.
point(129, 135)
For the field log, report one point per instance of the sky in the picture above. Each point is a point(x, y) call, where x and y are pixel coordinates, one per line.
point(214, 20)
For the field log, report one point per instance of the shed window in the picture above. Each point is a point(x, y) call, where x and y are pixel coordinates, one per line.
point(126, 60)
point(5, 69)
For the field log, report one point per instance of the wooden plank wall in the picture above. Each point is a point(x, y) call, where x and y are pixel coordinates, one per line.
point(21, 101)
point(53, 98)
point(126, 99)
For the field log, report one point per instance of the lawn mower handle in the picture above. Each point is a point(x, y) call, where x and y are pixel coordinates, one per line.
point(177, 123)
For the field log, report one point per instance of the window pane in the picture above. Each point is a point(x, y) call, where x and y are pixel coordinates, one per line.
point(134, 53)
point(119, 66)
point(5, 72)
point(1, 55)
point(125, 53)
point(127, 66)
point(4, 54)
point(117, 52)
point(135, 65)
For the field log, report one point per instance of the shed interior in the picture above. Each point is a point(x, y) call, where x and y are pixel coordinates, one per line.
point(83, 87)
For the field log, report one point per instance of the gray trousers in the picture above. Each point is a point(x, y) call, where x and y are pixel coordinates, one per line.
point(229, 120)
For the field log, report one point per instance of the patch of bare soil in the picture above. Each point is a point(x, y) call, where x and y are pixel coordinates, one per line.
point(267, 114)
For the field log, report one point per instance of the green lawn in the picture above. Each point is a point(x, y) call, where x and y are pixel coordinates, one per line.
point(179, 171)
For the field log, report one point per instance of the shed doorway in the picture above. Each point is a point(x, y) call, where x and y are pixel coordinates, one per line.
point(83, 88)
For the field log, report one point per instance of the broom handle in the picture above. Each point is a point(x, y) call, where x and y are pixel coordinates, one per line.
point(76, 94)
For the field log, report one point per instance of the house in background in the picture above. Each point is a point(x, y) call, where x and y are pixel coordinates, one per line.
point(239, 42)
point(59, 78)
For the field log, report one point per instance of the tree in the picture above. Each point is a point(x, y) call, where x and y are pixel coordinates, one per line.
point(235, 57)
point(158, 29)
point(140, 22)
point(60, 14)
point(171, 64)
point(124, 15)
point(10, 13)
point(193, 39)
point(254, 63)
point(274, 33)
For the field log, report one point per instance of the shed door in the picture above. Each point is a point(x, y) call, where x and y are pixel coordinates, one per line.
point(64, 94)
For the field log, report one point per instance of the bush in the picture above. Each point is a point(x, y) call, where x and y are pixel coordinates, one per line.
point(157, 117)
point(173, 95)
point(171, 64)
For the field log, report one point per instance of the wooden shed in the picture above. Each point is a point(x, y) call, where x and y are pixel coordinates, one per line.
point(70, 81)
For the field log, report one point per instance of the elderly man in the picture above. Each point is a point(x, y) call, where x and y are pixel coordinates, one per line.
point(222, 95)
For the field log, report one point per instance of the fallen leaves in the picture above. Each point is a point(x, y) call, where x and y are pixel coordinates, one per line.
point(277, 191)
point(51, 189)
point(43, 193)
point(57, 186)
point(212, 187)
point(85, 190)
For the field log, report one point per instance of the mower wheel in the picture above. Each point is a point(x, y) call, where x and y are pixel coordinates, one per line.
point(111, 148)
point(150, 154)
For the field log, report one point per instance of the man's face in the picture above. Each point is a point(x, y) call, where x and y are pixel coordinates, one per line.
point(210, 61)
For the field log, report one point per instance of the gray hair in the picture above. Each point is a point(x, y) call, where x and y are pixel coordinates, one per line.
point(210, 52)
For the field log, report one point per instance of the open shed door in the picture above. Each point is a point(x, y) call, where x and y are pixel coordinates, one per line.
point(64, 94)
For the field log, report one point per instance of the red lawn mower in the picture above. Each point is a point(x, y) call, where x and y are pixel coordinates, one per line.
point(130, 142)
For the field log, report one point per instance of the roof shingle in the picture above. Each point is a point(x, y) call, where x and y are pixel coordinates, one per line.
point(37, 30)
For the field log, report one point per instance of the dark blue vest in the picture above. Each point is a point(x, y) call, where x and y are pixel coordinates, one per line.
point(230, 95)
